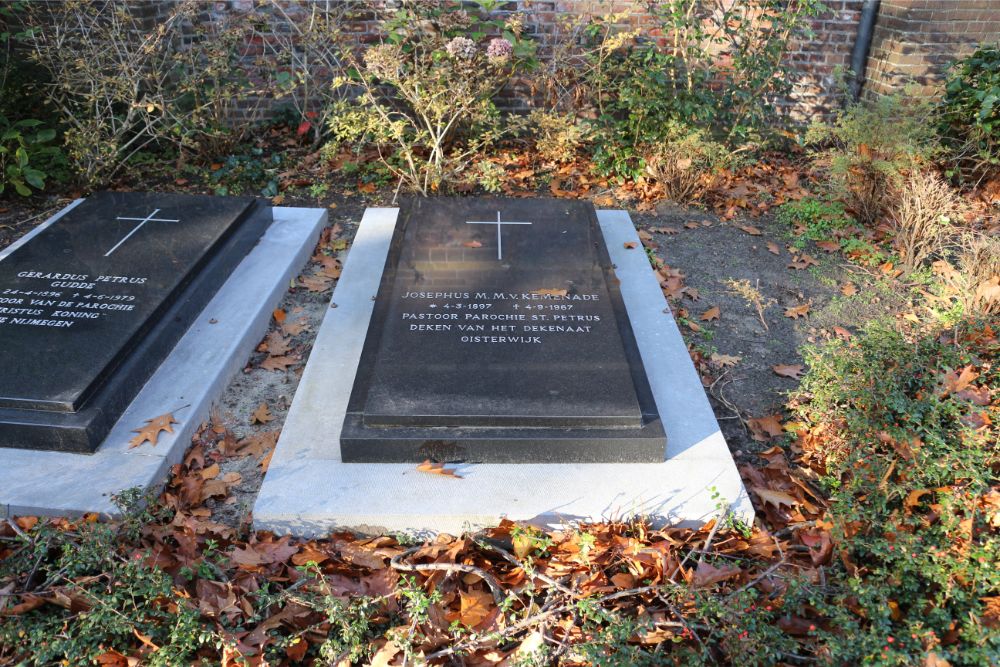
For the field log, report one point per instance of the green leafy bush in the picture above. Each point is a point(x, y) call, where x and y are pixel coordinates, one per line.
point(818, 218)
point(908, 434)
point(719, 70)
point(970, 116)
point(23, 150)
point(27, 154)
point(870, 146)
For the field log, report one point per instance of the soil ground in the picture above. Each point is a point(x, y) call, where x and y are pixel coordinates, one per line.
point(708, 254)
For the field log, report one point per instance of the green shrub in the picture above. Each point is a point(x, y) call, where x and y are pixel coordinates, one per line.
point(910, 443)
point(870, 146)
point(719, 70)
point(818, 218)
point(27, 154)
point(23, 149)
point(970, 116)
point(105, 596)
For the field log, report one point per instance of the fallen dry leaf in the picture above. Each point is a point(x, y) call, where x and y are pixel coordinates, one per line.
point(848, 289)
point(476, 607)
point(955, 381)
point(257, 444)
point(279, 363)
point(795, 312)
point(713, 313)
point(752, 231)
point(776, 498)
point(773, 248)
point(472, 244)
point(151, 431)
point(793, 371)
point(722, 360)
point(629, 245)
point(551, 292)
point(763, 429)
point(275, 343)
point(438, 469)
point(316, 283)
point(842, 333)
point(261, 415)
point(707, 574)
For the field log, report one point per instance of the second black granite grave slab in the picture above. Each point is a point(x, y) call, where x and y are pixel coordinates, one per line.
point(499, 335)
point(91, 305)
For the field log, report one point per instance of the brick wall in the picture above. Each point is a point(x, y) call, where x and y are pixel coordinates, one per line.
point(917, 40)
point(913, 39)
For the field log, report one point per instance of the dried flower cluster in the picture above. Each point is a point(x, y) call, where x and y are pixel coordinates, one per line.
point(462, 48)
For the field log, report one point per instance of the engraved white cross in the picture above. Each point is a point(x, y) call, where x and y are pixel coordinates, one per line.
point(142, 221)
point(498, 224)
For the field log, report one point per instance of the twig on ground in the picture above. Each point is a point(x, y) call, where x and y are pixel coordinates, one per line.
point(448, 568)
point(511, 558)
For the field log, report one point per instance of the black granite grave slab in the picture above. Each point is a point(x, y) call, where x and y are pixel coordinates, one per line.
point(499, 335)
point(91, 306)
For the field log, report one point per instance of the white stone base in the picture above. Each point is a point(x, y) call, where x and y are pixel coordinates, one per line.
point(195, 373)
point(309, 491)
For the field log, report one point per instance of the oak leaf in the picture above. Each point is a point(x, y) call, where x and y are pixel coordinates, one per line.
point(848, 289)
point(438, 469)
point(828, 246)
point(279, 315)
point(220, 486)
point(151, 431)
point(629, 245)
point(276, 344)
point(795, 312)
point(707, 574)
point(723, 360)
point(763, 429)
point(713, 313)
point(773, 248)
point(294, 327)
point(793, 371)
point(331, 266)
point(957, 380)
point(752, 231)
point(309, 554)
point(316, 283)
point(384, 656)
point(803, 261)
point(257, 444)
point(261, 415)
point(842, 333)
point(476, 607)
point(776, 498)
point(279, 363)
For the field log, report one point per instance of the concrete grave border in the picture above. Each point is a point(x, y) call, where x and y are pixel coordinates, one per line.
point(199, 368)
point(309, 491)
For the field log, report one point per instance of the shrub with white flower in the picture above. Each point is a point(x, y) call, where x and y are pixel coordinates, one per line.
point(462, 48)
point(425, 97)
point(499, 49)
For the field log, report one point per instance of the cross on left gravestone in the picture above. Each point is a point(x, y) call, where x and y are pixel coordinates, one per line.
point(89, 307)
